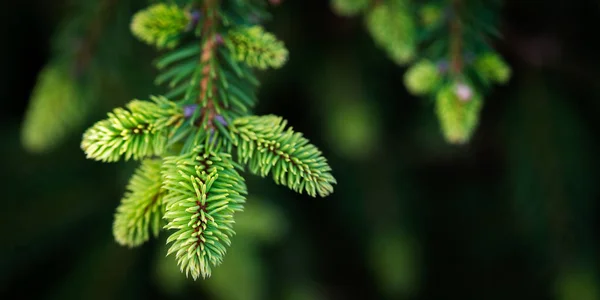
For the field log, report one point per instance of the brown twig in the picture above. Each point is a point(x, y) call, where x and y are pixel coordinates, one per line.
point(208, 53)
point(456, 39)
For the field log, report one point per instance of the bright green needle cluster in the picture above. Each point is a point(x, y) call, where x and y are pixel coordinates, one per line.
point(392, 27)
point(430, 15)
point(256, 47)
point(422, 78)
point(160, 25)
point(491, 67)
point(205, 191)
point(140, 212)
point(137, 132)
point(264, 143)
point(458, 117)
point(349, 7)
point(55, 110)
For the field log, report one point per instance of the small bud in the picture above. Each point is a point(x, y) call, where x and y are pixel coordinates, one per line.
point(189, 110)
point(219, 39)
point(463, 92)
point(221, 120)
point(194, 19)
point(443, 66)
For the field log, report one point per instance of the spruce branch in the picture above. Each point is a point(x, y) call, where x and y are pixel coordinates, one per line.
point(55, 109)
point(59, 102)
point(422, 78)
point(141, 210)
point(392, 27)
point(257, 48)
point(264, 143)
point(458, 109)
point(205, 191)
point(492, 68)
point(139, 131)
point(194, 128)
point(449, 45)
point(160, 25)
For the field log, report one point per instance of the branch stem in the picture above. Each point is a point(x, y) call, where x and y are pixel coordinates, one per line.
point(208, 83)
point(456, 39)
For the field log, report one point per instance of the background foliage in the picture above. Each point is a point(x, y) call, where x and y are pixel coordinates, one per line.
point(511, 214)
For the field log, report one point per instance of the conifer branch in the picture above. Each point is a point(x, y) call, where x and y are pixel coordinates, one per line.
point(454, 64)
point(264, 143)
point(59, 104)
point(195, 127)
point(141, 210)
point(392, 27)
point(458, 117)
point(136, 132)
point(160, 25)
point(55, 109)
point(205, 191)
point(256, 48)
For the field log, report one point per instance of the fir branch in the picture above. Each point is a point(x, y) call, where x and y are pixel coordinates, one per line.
point(59, 104)
point(257, 48)
point(205, 191)
point(392, 27)
point(139, 131)
point(55, 109)
point(160, 25)
point(141, 210)
point(492, 68)
point(454, 53)
point(264, 143)
point(457, 108)
point(422, 78)
point(215, 89)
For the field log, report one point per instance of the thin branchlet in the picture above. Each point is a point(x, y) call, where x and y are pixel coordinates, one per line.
point(140, 212)
point(264, 143)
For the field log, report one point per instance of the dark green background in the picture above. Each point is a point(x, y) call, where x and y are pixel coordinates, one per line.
point(512, 215)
